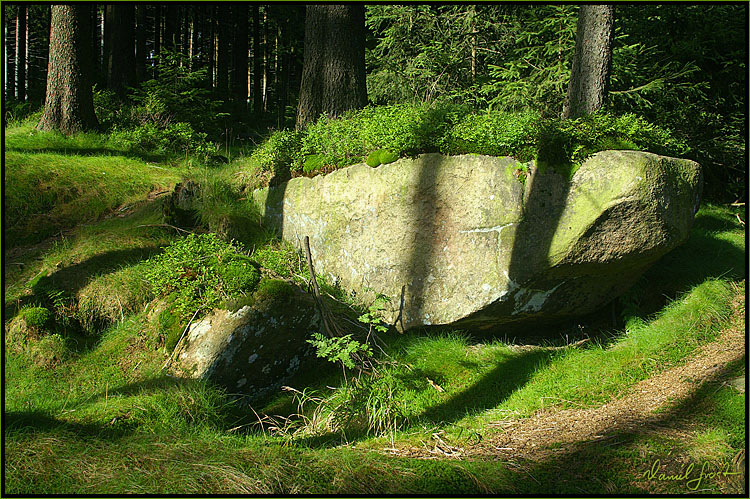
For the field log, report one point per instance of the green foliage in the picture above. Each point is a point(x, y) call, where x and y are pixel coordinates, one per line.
point(280, 258)
point(174, 137)
point(383, 133)
point(199, 271)
point(538, 46)
point(177, 95)
point(495, 134)
point(36, 317)
point(565, 144)
point(339, 349)
point(281, 149)
point(373, 315)
point(15, 112)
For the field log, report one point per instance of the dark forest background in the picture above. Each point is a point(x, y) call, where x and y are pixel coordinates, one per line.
point(232, 71)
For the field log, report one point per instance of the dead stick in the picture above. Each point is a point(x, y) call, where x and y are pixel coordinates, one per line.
point(316, 290)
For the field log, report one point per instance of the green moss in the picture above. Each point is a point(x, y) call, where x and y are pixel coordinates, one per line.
point(36, 317)
point(200, 271)
point(275, 289)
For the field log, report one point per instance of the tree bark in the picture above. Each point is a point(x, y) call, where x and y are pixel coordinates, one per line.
point(10, 60)
point(171, 28)
point(257, 97)
point(119, 31)
point(333, 73)
point(140, 43)
point(157, 38)
point(222, 57)
point(69, 106)
point(592, 62)
point(21, 53)
point(239, 55)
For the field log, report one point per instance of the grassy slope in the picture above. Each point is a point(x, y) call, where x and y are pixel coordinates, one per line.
point(54, 182)
point(106, 420)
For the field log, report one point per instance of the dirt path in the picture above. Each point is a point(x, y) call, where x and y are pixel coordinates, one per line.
point(554, 433)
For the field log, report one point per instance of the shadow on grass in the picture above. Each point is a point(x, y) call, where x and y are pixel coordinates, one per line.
point(494, 387)
point(39, 422)
point(617, 460)
point(67, 281)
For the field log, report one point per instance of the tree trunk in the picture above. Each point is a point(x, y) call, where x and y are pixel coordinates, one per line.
point(257, 97)
point(96, 43)
point(239, 54)
point(333, 73)
point(171, 28)
point(284, 70)
point(10, 60)
point(211, 46)
point(222, 57)
point(589, 77)
point(157, 38)
point(69, 106)
point(21, 53)
point(194, 40)
point(140, 43)
point(264, 85)
point(119, 30)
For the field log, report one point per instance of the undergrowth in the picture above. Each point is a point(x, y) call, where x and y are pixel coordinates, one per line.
point(407, 130)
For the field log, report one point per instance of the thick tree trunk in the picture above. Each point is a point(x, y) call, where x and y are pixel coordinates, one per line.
point(589, 77)
point(69, 105)
point(333, 74)
point(257, 97)
point(222, 57)
point(21, 53)
point(119, 30)
point(239, 55)
point(140, 43)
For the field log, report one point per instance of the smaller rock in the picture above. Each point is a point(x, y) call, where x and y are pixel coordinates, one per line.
point(256, 349)
point(181, 207)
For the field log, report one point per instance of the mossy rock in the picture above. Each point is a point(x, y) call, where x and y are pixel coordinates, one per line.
point(252, 350)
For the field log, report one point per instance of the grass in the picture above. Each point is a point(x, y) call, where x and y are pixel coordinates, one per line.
point(52, 191)
point(89, 410)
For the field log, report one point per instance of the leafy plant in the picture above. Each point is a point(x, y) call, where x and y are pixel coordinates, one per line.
point(200, 270)
point(373, 316)
point(339, 349)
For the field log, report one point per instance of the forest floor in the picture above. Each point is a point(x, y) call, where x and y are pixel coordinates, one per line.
point(653, 404)
point(565, 436)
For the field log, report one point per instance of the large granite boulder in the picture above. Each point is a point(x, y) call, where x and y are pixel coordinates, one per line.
point(255, 349)
point(461, 240)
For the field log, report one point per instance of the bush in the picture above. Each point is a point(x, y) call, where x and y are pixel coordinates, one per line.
point(200, 271)
point(175, 137)
point(16, 112)
point(381, 134)
point(495, 134)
